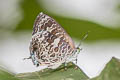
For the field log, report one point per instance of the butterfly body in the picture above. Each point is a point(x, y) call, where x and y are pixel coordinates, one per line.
point(50, 44)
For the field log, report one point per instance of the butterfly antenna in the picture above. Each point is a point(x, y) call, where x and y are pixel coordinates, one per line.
point(85, 36)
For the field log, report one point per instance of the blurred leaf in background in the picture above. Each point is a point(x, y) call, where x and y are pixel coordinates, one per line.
point(31, 9)
point(97, 32)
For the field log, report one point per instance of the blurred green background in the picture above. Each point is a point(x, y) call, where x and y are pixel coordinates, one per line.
point(97, 32)
point(30, 9)
point(16, 32)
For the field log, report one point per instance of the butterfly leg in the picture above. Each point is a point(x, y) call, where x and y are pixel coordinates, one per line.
point(27, 58)
point(65, 66)
point(79, 49)
point(76, 60)
point(76, 67)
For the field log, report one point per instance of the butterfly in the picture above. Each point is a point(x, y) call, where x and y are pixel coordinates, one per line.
point(50, 44)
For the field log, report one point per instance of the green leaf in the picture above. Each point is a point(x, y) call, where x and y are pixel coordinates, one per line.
point(5, 75)
point(30, 9)
point(58, 74)
point(111, 71)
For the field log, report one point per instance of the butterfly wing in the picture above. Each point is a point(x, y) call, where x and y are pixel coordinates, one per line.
point(50, 43)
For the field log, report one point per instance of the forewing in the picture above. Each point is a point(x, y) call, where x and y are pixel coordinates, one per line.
point(45, 23)
point(50, 40)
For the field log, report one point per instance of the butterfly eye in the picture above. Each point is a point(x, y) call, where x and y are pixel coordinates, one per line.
point(37, 64)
